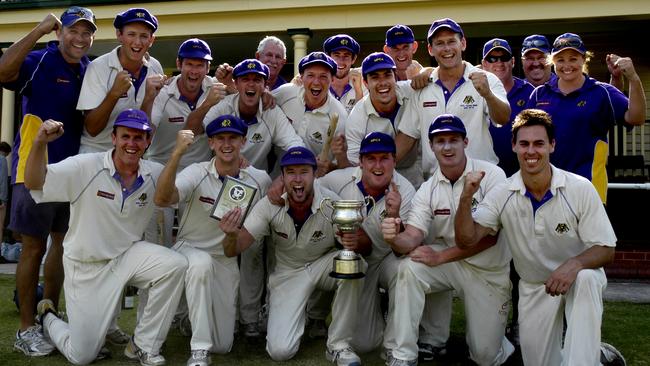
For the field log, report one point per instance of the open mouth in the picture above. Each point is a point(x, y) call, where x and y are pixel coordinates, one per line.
point(315, 91)
point(250, 93)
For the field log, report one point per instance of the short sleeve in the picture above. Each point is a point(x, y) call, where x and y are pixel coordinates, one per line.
point(258, 221)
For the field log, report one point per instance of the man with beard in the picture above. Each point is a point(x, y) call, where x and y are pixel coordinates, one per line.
point(497, 59)
point(212, 279)
point(116, 81)
point(459, 88)
point(535, 50)
point(382, 110)
point(266, 129)
point(111, 202)
point(170, 106)
point(49, 82)
point(479, 275)
point(304, 251)
point(401, 46)
point(310, 108)
point(346, 85)
point(391, 194)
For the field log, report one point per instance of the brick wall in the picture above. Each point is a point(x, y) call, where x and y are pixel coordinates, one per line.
point(630, 263)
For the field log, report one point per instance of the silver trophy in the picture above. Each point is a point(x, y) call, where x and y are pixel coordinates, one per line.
point(347, 216)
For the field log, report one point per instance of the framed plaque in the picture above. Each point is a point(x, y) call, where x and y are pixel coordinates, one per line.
point(234, 193)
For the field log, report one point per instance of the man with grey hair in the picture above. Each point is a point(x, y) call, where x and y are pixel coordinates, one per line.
point(273, 53)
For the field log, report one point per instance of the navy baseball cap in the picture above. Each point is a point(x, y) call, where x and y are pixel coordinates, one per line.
point(195, 48)
point(226, 123)
point(133, 118)
point(376, 61)
point(447, 123)
point(298, 155)
point(136, 15)
point(74, 14)
point(536, 42)
point(568, 41)
point(250, 66)
point(341, 42)
point(377, 142)
point(496, 43)
point(399, 34)
point(444, 23)
point(317, 58)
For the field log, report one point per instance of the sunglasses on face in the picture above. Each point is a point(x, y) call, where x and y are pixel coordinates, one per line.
point(535, 43)
point(567, 42)
point(502, 58)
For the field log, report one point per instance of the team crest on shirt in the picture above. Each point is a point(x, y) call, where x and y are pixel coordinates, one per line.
point(562, 228)
point(317, 236)
point(582, 103)
point(257, 138)
point(317, 136)
point(142, 200)
point(468, 102)
point(521, 102)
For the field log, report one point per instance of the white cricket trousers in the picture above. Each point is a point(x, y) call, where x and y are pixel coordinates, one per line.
point(211, 285)
point(94, 289)
point(252, 282)
point(541, 321)
point(290, 289)
point(485, 294)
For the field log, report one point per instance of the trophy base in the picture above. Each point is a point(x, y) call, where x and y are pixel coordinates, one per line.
point(347, 276)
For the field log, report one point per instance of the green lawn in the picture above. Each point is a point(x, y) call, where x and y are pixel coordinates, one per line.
point(625, 325)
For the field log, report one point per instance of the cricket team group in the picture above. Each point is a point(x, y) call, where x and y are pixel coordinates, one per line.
point(475, 183)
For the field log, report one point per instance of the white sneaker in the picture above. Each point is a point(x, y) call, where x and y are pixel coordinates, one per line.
point(32, 342)
point(199, 357)
point(610, 356)
point(134, 352)
point(343, 357)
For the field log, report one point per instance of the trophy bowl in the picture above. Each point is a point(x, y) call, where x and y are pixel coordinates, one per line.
point(347, 216)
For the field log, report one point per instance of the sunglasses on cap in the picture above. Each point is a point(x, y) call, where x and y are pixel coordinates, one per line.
point(534, 43)
point(502, 58)
point(572, 42)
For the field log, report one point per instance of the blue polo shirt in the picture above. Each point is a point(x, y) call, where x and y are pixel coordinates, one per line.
point(49, 88)
point(582, 120)
point(502, 136)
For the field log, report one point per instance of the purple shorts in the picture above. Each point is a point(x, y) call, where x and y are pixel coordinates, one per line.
point(37, 220)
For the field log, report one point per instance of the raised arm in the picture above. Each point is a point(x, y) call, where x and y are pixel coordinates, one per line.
point(467, 232)
point(95, 120)
point(36, 165)
point(166, 191)
point(498, 109)
point(216, 93)
point(635, 114)
point(14, 56)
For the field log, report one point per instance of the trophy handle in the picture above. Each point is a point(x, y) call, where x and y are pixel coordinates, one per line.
point(368, 200)
point(326, 202)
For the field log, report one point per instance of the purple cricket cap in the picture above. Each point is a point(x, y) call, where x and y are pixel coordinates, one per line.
point(447, 123)
point(535, 42)
point(74, 14)
point(377, 61)
point(195, 48)
point(399, 34)
point(250, 66)
point(136, 15)
point(568, 41)
point(377, 142)
point(494, 44)
point(341, 42)
point(444, 23)
point(298, 155)
point(226, 123)
point(133, 118)
point(317, 58)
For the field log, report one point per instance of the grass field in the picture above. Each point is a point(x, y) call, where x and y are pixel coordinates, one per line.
point(625, 326)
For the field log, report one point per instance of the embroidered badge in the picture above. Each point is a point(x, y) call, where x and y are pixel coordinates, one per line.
point(208, 200)
point(107, 195)
point(562, 228)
